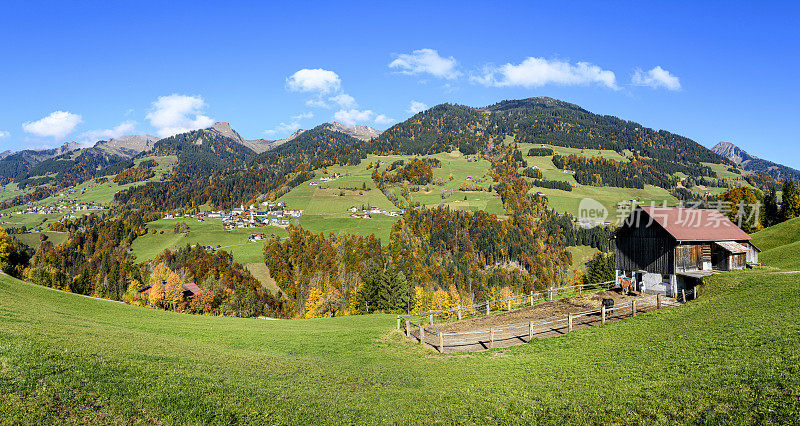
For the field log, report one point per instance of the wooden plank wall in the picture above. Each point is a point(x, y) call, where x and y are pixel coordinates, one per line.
point(647, 248)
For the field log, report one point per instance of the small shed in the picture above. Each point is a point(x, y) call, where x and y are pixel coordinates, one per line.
point(669, 249)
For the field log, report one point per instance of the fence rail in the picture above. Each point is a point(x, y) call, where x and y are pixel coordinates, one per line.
point(494, 334)
point(485, 307)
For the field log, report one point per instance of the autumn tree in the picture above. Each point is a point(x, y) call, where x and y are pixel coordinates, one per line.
point(173, 290)
point(790, 200)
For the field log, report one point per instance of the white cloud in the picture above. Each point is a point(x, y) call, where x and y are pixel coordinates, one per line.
point(304, 115)
point(344, 100)
point(416, 107)
point(353, 116)
point(56, 125)
point(317, 103)
point(537, 72)
point(124, 128)
point(314, 80)
point(656, 78)
point(175, 114)
point(4, 134)
point(283, 129)
point(426, 61)
point(384, 120)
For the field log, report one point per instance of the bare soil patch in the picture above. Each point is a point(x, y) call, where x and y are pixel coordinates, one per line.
point(543, 311)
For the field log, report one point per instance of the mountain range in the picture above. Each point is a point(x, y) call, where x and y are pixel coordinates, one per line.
point(18, 164)
point(752, 163)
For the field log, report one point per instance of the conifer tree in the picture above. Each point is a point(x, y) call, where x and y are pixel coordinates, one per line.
point(790, 200)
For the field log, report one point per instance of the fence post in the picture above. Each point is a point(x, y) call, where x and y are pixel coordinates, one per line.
point(459, 312)
point(487, 308)
point(603, 314)
point(431, 318)
point(408, 329)
point(530, 331)
point(531, 298)
point(695, 292)
point(509, 305)
point(683, 294)
point(422, 335)
point(491, 337)
point(658, 300)
point(569, 327)
point(633, 308)
point(550, 293)
point(398, 322)
point(441, 343)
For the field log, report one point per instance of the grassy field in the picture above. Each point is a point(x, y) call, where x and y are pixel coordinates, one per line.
point(780, 244)
point(325, 205)
point(581, 255)
point(729, 357)
point(210, 232)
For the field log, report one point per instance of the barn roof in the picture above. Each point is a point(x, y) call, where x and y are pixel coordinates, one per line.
point(686, 224)
point(191, 287)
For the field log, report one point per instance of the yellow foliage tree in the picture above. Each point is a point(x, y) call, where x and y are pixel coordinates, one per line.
point(419, 300)
point(174, 290)
point(160, 273)
point(440, 300)
point(132, 295)
point(314, 299)
point(157, 296)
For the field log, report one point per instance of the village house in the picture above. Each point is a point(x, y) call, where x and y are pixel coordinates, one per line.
point(669, 249)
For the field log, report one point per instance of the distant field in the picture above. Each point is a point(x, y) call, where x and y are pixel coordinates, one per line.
point(729, 357)
point(568, 201)
point(581, 255)
point(325, 205)
point(210, 232)
point(34, 240)
point(581, 152)
point(93, 191)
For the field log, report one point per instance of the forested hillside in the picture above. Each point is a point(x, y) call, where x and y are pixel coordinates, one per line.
point(499, 236)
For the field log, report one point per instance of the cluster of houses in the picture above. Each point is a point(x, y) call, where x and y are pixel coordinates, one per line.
point(276, 214)
point(357, 213)
point(67, 208)
point(325, 179)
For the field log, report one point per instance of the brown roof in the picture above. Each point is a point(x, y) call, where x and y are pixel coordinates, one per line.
point(732, 247)
point(686, 224)
point(191, 287)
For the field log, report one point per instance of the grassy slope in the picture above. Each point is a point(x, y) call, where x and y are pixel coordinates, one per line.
point(568, 201)
point(210, 232)
point(581, 255)
point(729, 356)
point(325, 210)
point(780, 244)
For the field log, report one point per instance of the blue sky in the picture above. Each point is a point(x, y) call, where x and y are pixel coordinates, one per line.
point(85, 70)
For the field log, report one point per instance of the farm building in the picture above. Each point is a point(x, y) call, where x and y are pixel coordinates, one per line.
point(669, 249)
point(189, 290)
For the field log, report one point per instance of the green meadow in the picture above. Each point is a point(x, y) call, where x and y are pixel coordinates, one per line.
point(729, 357)
point(209, 232)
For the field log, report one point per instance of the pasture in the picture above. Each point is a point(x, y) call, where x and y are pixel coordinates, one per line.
point(729, 357)
point(209, 232)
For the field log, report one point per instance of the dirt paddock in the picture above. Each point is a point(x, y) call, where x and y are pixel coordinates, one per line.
point(549, 319)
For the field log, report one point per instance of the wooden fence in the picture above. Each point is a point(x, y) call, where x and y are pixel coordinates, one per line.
point(486, 308)
point(486, 338)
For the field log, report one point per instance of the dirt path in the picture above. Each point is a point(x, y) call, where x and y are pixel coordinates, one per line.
point(548, 318)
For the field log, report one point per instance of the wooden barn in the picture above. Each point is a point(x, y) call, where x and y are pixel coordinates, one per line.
point(668, 249)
